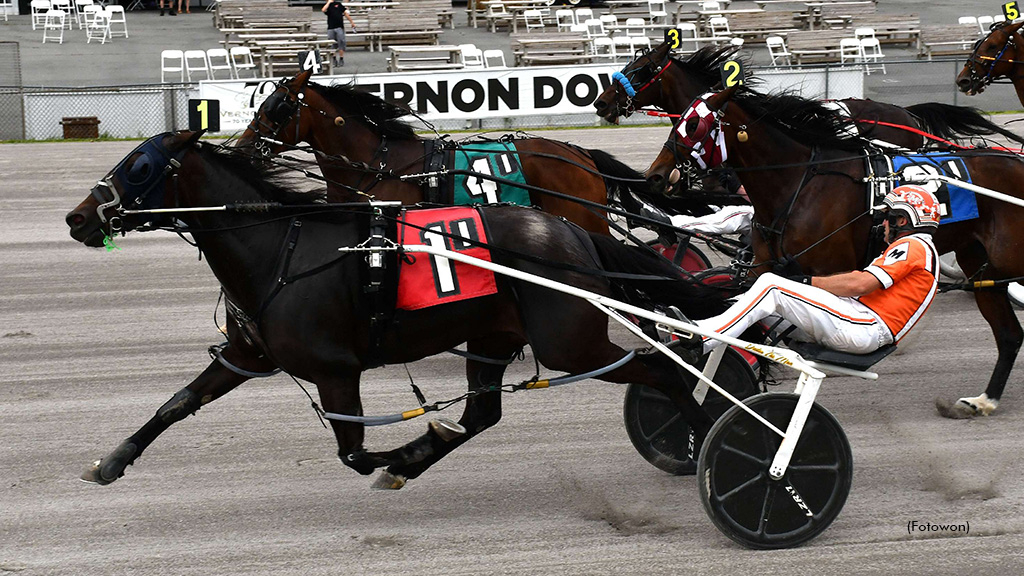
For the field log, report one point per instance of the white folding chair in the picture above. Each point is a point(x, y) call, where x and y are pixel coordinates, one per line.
point(564, 19)
point(859, 33)
point(583, 14)
point(708, 6)
point(497, 15)
point(6, 5)
point(195, 61)
point(39, 10)
point(88, 12)
point(115, 16)
point(967, 21)
point(595, 28)
point(172, 61)
point(610, 22)
point(849, 51)
point(241, 59)
point(472, 57)
point(494, 59)
point(219, 60)
point(687, 37)
point(99, 27)
point(777, 50)
point(53, 26)
point(871, 51)
point(80, 15)
point(533, 19)
point(603, 47)
point(65, 7)
point(984, 23)
point(719, 26)
point(657, 11)
point(635, 27)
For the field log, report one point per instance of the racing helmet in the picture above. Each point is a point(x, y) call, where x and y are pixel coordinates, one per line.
point(920, 206)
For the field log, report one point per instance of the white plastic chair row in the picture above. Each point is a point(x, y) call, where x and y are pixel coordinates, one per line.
point(565, 19)
point(866, 51)
point(209, 62)
point(982, 22)
point(5, 6)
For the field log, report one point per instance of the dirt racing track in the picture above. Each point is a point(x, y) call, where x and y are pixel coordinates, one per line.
point(93, 342)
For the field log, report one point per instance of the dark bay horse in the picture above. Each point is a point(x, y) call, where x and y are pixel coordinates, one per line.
point(998, 56)
point(804, 179)
point(363, 148)
point(662, 80)
point(305, 309)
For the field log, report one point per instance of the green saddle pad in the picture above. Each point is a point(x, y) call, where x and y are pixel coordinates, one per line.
point(498, 159)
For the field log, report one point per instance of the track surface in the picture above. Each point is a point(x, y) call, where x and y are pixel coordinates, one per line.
point(92, 343)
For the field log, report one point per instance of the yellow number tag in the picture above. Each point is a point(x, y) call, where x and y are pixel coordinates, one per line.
point(732, 74)
point(673, 38)
point(204, 115)
point(1011, 11)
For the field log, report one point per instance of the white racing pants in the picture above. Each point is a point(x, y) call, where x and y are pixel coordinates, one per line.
point(835, 322)
point(728, 220)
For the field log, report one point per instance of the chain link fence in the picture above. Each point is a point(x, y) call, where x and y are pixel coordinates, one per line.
point(143, 110)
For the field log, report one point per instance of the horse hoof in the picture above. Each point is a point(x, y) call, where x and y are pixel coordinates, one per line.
point(965, 408)
point(446, 429)
point(109, 469)
point(388, 481)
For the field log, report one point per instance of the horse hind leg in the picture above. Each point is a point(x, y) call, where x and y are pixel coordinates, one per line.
point(997, 310)
point(442, 436)
point(211, 384)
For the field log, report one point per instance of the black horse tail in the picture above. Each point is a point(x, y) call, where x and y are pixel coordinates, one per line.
point(667, 286)
point(956, 122)
point(625, 185)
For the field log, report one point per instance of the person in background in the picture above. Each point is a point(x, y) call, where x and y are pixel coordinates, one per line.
point(185, 2)
point(335, 10)
point(169, 7)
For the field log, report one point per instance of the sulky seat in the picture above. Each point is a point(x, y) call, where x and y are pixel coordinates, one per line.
point(818, 353)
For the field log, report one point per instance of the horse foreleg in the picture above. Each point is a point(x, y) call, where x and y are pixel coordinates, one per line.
point(213, 383)
point(481, 412)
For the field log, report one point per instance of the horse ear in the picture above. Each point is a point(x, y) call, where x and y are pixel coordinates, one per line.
point(302, 79)
point(184, 139)
point(717, 100)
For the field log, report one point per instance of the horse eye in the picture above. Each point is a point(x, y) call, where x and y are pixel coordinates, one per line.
point(140, 169)
point(691, 126)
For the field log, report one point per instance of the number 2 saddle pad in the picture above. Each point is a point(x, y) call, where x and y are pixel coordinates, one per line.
point(499, 160)
point(432, 280)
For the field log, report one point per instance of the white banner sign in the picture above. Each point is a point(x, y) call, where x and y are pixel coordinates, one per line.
point(450, 95)
point(501, 93)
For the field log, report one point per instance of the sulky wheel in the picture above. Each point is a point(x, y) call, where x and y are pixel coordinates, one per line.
point(692, 260)
point(656, 427)
point(742, 499)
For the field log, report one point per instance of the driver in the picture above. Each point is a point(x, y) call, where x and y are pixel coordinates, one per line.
point(856, 312)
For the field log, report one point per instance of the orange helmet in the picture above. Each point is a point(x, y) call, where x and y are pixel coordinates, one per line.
point(920, 206)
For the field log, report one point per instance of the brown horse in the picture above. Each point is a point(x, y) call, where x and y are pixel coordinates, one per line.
point(363, 149)
point(805, 182)
point(308, 311)
point(659, 79)
point(999, 55)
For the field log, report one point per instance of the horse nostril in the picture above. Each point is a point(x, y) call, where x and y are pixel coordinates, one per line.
point(600, 105)
point(963, 82)
point(75, 219)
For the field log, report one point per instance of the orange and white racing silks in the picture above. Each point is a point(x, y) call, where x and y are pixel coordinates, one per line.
point(909, 272)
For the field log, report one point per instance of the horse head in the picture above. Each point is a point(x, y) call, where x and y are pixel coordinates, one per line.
point(696, 139)
point(138, 182)
point(630, 87)
point(279, 122)
point(994, 56)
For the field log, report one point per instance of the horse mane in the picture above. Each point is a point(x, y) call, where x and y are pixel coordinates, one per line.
point(381, 116)
point(809, 122)
point(269, 180)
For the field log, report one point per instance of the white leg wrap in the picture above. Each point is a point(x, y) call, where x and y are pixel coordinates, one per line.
point(981, 404)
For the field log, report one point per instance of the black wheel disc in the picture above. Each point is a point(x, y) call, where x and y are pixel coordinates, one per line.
point(657, 429)
point(742, 499)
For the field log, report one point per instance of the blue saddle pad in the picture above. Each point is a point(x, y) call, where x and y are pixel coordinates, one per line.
point(957, 204)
